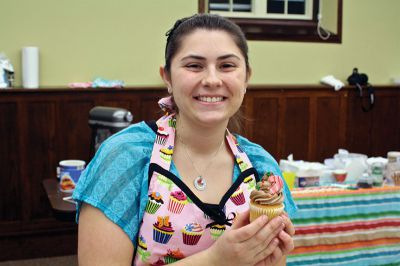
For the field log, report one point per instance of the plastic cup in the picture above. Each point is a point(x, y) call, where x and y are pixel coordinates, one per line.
point(289, 178)
point(340, 175)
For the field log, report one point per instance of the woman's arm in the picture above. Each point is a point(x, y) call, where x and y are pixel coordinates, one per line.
point(100, 241)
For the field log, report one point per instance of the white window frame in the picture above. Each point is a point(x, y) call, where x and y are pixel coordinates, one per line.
point(259, 8)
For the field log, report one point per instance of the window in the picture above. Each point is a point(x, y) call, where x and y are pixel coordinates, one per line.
point(286, 20)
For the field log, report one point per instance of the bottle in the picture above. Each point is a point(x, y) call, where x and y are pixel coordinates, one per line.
point(393, 166)
point(377, 174)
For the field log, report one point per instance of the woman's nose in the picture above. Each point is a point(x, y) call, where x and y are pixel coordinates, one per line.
point(211, 78)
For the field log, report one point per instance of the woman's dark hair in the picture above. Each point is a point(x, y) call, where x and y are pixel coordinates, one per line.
point(187, 25)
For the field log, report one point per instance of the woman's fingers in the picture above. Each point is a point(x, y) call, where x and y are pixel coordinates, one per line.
point(286, 242)
point(267, 250)
point(289, 227)
point(244, 233)
point(241, 220)
point(266, 234)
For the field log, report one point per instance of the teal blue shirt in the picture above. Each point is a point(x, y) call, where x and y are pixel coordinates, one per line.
point(116, 180)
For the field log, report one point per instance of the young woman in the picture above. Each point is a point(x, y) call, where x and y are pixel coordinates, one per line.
point(177, 191)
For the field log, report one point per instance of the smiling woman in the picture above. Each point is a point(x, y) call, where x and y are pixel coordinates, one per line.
point(178, 190)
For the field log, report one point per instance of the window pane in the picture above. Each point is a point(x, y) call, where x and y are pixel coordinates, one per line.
point(218, 5)
point(276, 6)
point(297, 7)
point(242, 5)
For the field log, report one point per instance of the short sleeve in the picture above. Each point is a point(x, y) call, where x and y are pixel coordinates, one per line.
point(115, 181)
point(263, 162)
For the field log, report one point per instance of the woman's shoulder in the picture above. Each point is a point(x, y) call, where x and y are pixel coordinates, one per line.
point(116, 177)
point(255, 152)
point(140, 133)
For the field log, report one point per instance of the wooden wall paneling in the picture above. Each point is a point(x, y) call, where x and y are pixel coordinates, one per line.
point(265, 122)
point(120, 100)
point(73, 131)
point(312, 129)
point(297, 126)
point(327, 140)
point(10, 203)
point(40, 243)
point(39, 157)
point(149, 109)
point(358, 126)
point(385, 123)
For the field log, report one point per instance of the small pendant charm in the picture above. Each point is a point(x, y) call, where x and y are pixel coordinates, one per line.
point(200, 183)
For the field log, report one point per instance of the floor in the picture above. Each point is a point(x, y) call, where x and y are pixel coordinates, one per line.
point(54, 261)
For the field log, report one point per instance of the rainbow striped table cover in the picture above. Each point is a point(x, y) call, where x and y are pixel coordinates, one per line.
point(346, 227)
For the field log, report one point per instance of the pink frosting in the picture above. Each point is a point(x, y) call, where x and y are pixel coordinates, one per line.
point(179, 195)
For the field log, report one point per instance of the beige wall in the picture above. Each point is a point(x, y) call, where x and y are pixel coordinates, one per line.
point(83, 39)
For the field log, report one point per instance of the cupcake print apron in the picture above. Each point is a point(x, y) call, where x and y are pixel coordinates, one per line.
point(176, 223)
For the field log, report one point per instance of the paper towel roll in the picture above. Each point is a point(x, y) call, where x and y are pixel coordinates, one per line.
point(30, 67)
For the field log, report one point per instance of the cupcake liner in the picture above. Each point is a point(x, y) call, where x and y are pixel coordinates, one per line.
point(169, 260)
point(191, 238)
point(238, 199)
point(165, 157)
point(271, 211)
point(161, 236)
point(175, 206)
point(152, 207)
point(161, 139)
point(216, 232)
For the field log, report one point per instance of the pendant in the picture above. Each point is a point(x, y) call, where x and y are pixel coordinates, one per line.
point(200, 183)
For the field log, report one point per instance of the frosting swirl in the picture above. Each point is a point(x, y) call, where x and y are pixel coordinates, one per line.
point(268, 190)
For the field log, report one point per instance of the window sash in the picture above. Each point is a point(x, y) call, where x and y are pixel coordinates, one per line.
point(259, 10)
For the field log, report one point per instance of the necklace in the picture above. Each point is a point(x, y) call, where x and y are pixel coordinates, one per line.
point(200, 182)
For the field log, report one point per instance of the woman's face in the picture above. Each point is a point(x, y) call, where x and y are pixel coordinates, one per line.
point(207, 77)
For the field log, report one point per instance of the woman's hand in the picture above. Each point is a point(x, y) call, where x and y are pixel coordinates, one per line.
point(286, 245)
point(261, 242)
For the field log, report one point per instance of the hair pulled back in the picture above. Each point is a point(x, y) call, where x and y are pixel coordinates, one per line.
point(185, 26)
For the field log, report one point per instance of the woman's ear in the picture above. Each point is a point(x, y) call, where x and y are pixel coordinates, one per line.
point(248, 74)
point(166, 78)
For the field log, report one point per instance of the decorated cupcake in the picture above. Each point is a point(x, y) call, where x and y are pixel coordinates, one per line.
point(237, 144)
point(242, 165)
point(173, 256)
point(154, 202)
point(162, 230)
point(161, 136)
point(217, 230)
point(192, 233)
point(267, 198)
point(165, 181)
point(142, 249)
point(166, 153)
point(250, 182)
point(238, 197)
point(172, 122)
point(177, 200)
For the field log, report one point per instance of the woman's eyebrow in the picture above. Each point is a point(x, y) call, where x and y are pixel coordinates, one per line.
point(198, 57)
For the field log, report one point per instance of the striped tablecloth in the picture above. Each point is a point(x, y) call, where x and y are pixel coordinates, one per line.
point(347, 227)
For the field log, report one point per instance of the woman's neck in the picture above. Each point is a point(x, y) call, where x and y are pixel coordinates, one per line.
point(199, 139)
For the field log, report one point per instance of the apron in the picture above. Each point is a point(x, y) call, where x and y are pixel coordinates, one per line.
point(176, 224)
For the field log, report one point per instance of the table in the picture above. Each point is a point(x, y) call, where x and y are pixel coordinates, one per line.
point(346, 227)
point(63, 210)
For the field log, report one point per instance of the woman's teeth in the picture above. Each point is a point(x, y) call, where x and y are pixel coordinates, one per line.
point(210, 99)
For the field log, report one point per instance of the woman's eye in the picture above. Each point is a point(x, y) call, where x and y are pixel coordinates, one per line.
point(193, 66)
point(228, 66)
